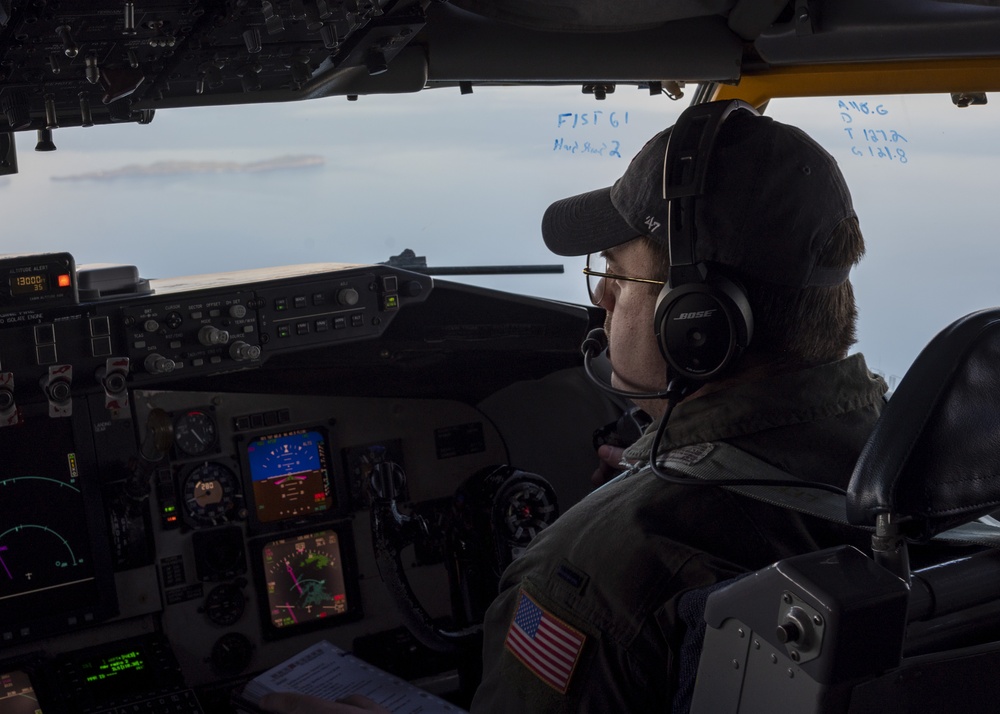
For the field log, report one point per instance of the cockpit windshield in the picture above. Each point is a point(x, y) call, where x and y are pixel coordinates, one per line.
point(462, 180)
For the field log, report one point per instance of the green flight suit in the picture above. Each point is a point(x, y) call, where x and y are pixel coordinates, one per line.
point(596, 594)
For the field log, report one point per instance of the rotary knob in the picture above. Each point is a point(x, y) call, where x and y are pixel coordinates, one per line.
point(348, 297)
point(211, 336)
point(158, 364)
point(242, 351)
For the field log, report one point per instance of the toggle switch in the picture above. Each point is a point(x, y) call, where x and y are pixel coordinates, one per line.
point(57, 385)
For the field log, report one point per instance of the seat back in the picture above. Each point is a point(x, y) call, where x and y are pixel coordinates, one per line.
point(933, 458)
point(833, 631)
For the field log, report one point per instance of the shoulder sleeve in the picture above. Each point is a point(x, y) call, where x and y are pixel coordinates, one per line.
point(585, 619)
point(539, 657)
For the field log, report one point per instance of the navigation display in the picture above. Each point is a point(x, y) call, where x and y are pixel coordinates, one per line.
point(49, 577)
point(309, 579)
point(289, 475)
point(17, 696)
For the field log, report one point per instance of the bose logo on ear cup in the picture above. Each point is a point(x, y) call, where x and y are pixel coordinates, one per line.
point(695, 315)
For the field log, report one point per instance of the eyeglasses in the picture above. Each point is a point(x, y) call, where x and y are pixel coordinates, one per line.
point(597, 279)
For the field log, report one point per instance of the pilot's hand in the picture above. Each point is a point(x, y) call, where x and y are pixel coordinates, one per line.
point(610, 464)
point(290, 703)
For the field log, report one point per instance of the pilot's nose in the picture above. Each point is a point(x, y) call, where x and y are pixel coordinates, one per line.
point(605, 297)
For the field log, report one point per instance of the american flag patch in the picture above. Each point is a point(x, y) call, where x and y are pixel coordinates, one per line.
point(545, 644)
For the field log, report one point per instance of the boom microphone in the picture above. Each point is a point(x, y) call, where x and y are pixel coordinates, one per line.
point(596, 342)
point(593, 346)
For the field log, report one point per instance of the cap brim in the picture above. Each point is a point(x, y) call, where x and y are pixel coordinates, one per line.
point(587, 223)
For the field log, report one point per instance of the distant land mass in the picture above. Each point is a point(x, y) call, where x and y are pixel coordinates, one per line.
point(191, 168)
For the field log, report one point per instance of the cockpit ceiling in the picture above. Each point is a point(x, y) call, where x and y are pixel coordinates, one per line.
point(82, 62)
point(598, 15)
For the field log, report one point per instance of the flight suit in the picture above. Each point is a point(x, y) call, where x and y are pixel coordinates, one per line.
point(587, 618)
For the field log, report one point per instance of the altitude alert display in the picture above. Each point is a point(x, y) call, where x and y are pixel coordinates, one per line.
point(289, 474)
point(305, 579)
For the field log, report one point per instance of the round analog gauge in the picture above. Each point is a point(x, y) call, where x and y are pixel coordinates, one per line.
point(194, 433)
point(231, 654)
point(527, 510)
point(209, 493)
point(224, 604)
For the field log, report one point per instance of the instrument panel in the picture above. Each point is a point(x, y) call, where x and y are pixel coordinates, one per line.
point(142, 332)
point(193, 470)
point(266, 537)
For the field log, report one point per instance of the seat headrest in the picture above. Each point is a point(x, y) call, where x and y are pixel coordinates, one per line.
point(934, 455)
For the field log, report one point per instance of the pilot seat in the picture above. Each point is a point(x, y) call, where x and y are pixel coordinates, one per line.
point(848, 632)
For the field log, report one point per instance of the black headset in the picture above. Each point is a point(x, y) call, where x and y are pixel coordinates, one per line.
point(703, 320)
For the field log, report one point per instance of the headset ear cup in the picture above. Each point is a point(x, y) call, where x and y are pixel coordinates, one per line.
point(703, 328)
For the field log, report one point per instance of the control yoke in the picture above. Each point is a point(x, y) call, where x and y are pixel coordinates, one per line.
point(392, 531)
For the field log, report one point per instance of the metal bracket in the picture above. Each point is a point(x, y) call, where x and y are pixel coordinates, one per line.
point(800, 628)
point(805, 18)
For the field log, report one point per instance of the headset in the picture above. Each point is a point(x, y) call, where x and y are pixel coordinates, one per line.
point(703, 321)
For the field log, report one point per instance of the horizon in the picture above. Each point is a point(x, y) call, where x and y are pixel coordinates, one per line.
point(464, 180)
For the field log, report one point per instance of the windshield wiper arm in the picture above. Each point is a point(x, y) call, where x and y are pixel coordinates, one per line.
point(408, 260)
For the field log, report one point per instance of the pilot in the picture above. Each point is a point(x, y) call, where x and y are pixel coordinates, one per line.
point(589, 618)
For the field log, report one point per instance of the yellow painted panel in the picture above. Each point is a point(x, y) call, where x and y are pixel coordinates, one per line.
point(929, 77)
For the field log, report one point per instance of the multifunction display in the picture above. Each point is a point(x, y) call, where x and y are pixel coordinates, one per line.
point(47, 567)
point(310, 579)
point(17, 696)
point(290, 475)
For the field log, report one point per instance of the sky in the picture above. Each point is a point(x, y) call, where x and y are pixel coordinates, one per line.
point(464, 180)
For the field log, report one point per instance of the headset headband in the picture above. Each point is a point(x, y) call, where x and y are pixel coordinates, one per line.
point(685, 169)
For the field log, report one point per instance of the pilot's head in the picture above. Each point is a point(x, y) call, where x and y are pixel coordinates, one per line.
point(775, 218)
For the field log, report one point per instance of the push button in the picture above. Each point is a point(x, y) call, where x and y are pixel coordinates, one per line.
point(45, 354)
point(45, 334)
point(99, 326)
point(100, 346)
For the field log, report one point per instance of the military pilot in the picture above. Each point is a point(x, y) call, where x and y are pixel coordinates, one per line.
point(587, 619)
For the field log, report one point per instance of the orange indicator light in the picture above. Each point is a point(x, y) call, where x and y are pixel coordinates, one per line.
point(64, 280)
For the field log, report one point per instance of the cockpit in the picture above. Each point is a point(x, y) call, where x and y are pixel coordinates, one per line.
point(259, 392)
point(191, 465)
